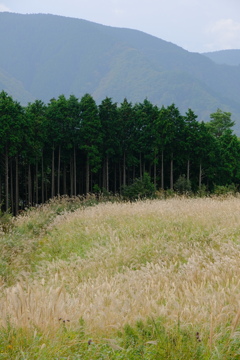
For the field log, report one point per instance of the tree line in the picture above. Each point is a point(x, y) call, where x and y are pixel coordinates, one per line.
point(73, 146)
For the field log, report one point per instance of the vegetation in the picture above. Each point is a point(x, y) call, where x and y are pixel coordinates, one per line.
point(74, 147)
point(229, 57)
point(109, 62)
point(140, 280)
point(182, 185)
point(140, 189)
point(87, 270)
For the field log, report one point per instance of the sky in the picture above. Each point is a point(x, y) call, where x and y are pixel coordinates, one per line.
point(195, 25)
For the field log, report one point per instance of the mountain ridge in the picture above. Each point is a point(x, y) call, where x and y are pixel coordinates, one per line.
point(227, 57)
point(44, 56)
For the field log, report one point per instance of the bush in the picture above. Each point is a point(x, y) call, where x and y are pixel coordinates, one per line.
point(182, 185)
point(202, 191)
point(169, 193)
point(140, 189)
point(6, 222)
point(223, 190)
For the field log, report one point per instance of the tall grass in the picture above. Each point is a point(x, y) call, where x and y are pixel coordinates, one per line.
point(142, 280)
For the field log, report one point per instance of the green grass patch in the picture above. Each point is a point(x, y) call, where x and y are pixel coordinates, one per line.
point(148, 340)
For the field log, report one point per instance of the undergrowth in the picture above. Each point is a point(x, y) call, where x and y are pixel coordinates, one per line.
point(147, 340)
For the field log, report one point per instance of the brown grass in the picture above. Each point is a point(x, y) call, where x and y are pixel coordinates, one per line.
point(177, 259)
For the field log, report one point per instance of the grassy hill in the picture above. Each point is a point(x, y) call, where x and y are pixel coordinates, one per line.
point(144, 280)
point(50, 55)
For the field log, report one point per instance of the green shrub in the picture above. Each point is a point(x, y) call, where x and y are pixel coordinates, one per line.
point(182, 185)
point(169, 193)
point(140, 189)
point(96, 189)
point(6, 221)
point(202, 191)
point(223, 190)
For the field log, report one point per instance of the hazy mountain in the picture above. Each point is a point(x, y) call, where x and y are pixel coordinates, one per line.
point(14, 87)
point(43, 56)
point(227, 57)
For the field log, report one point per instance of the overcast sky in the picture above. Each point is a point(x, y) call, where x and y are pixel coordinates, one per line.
point(195, 25)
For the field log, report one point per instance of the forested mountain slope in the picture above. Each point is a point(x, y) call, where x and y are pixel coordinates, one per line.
point(228, 57)
point(43, 56)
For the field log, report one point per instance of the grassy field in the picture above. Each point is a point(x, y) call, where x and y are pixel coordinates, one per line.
point(154, 279)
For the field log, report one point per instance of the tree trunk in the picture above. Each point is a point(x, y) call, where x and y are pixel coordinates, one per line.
point(11, 186)
point(155, 172)
point(133, 173)
point(59, 170)
point(188, 170)
point(26, 186)
point(74, 172)
point(124, 169)
point(53, 187)
point(162, 171)
point(200, 176)
point(171, 173)
point(0, 191)
point(81, 182)
point(64, 179)
point(140, 166)
point(128, 177)
point(107, 175)
point(120, 178)
point(87, 175)
point(71, 176)
point(16, 187)
point(104, 174)
point(46, 191)
point(29, 186)
point(6, 181)
point(115, 178)
point(91, 181)
point(36, 182)
point(42, 181)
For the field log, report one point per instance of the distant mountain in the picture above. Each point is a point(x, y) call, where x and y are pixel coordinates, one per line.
point(227, 57)
point(43, 56)
point(14, 87)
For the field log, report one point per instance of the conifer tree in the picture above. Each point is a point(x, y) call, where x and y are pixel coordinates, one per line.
point(90, 136)
point(108, 114)
point(11, 134)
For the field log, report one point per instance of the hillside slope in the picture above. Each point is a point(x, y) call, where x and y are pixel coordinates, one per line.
point(141, 279)
point(49, 55)
point(227, 57)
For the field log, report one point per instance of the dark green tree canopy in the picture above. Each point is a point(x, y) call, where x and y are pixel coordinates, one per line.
point(90, 130)
point(72, 146)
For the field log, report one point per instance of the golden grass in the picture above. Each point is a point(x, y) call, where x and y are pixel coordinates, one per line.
point(177, 259)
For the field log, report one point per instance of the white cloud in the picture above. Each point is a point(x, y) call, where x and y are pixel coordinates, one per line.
point(3, 8)
point(224, 34)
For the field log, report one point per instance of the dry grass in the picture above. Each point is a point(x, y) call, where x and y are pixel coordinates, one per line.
point(177, 259)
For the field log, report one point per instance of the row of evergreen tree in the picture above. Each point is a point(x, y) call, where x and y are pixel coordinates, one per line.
point(72, 146)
